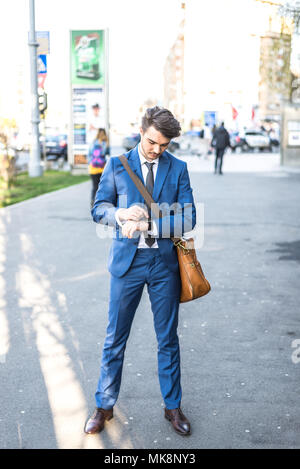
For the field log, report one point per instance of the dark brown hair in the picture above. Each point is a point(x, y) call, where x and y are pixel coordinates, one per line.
point(162, 120)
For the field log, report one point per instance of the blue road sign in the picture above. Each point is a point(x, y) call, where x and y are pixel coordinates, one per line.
point(210, 118)
point(42, 64)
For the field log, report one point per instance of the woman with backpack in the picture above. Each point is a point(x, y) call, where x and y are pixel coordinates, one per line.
point(97, 160)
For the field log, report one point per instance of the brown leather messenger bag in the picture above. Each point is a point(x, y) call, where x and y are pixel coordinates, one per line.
point(193, 281)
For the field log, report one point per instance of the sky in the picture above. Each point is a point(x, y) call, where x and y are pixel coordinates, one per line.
point(222, 56)
point(141, 35)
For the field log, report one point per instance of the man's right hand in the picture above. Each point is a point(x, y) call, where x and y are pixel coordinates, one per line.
point(134, 213)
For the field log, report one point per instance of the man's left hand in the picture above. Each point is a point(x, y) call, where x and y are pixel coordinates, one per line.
point(129, 228)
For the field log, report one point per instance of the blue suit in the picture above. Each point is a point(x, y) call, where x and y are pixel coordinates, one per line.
point(131, 268)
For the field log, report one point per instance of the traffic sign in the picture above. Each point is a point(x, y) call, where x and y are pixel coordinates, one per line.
point(41, 80)
point(42, 64)
point(43, 38)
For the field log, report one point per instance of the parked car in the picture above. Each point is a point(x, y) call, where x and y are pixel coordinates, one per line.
point(248, 140)
point(256, 139)
point(56, 146)
point(131, 141)
point(274, 139)
point(237, 143)
point(173, 146)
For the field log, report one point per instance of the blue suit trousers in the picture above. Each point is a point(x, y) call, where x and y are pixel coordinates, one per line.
point(125, 294)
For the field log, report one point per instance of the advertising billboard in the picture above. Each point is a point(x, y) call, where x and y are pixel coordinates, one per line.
point(88, 88)
point(294, 133)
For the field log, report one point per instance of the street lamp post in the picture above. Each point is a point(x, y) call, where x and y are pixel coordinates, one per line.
point(34, 167)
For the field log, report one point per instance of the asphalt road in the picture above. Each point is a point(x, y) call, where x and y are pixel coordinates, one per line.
point(239, 355)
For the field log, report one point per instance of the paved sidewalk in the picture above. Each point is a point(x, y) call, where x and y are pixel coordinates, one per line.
point(236, 162)
point(240, 378)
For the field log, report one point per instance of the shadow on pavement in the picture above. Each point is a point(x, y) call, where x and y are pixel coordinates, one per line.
point(290, 251)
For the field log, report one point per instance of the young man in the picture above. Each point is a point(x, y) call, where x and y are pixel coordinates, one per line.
point(143, 253)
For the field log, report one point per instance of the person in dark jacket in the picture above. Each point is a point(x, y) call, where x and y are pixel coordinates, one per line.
point(220, 142)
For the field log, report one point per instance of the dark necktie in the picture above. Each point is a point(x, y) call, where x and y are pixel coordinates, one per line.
point(149, 186)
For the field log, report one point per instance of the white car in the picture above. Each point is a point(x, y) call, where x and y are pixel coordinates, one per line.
point(256, 139)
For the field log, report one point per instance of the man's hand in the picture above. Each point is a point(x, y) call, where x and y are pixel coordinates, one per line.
point(134, 213)
point(129, 228)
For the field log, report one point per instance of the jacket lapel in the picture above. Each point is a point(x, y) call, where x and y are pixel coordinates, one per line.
point(162, 171)
point(135, 164)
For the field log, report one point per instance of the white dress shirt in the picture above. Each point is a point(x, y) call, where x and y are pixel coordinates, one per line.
point(142, 244)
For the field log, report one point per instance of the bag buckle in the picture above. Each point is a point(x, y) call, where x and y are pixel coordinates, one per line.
point(182, 246)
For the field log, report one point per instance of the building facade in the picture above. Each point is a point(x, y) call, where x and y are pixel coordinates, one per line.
point(220, 63)
point(174, 77)
point(275, 75)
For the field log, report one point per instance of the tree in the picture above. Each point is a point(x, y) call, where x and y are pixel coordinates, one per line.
point(7, 162)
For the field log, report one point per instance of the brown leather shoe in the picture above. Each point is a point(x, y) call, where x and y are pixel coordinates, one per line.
point(180, 423)
point(95, 423)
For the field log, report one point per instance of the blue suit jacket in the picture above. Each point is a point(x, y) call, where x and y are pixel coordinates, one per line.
point(172, 191)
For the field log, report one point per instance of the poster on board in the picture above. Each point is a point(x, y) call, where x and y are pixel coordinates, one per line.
point(87, 58)
point(88, 109)
point(88, 100)
point(293, 133)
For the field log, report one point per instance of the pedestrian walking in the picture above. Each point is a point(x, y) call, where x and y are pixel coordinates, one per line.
point(143, 253)
point(96, 160)
point(220, 142)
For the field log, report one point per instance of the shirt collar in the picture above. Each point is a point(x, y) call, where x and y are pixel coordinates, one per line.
point(143, 159)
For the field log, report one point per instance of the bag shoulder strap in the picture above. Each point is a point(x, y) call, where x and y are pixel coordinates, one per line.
point(141, 188)
point(143, 191)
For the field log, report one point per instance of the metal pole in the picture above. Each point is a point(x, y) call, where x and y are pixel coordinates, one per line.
point(44, 142)
point(34, 167)
point(107, 119)
point(71, 124)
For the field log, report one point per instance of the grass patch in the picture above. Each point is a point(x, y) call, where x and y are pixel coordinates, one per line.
point(25, 187)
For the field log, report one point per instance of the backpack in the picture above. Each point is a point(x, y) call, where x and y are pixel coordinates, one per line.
point(98, 157)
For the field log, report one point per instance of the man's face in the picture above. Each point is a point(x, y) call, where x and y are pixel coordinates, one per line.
point(153, 143)
point(96, 111)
